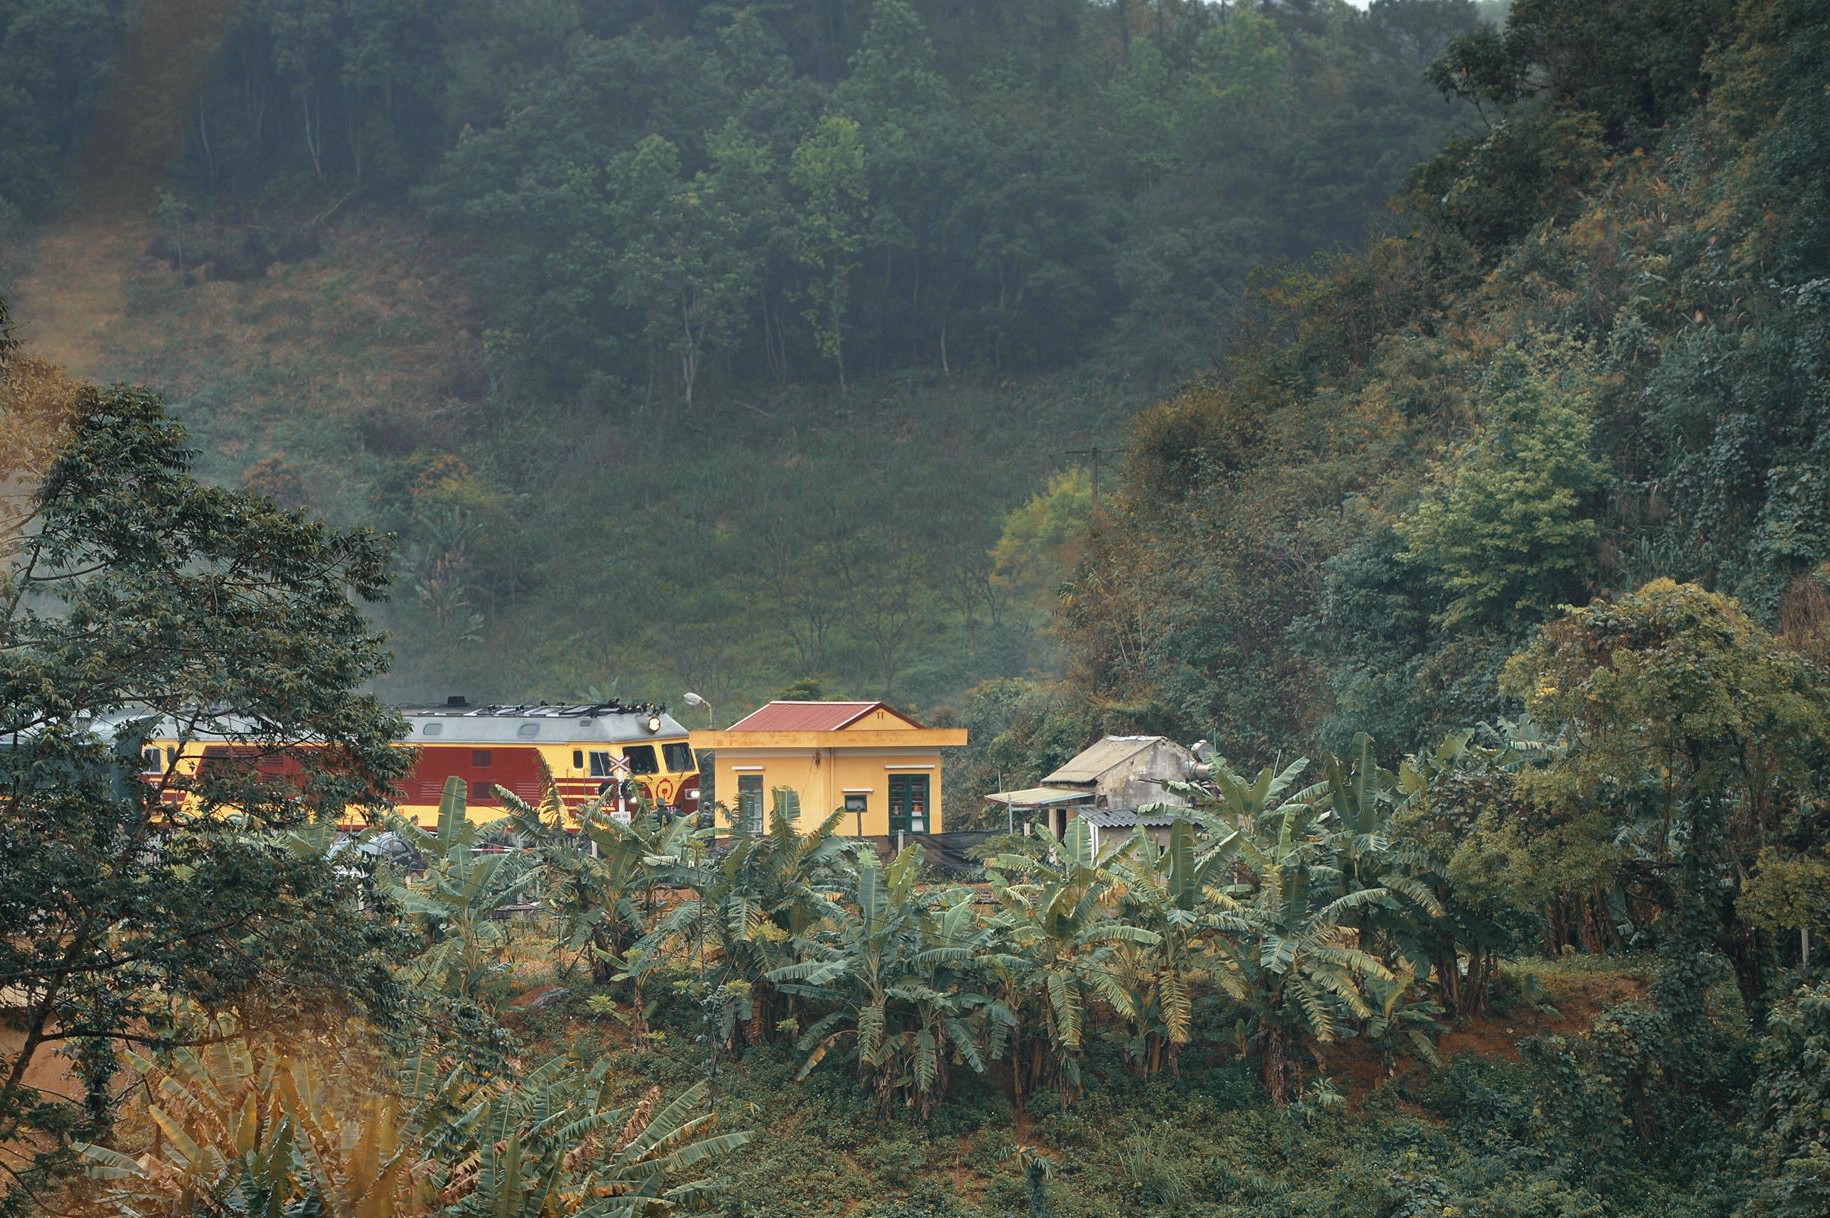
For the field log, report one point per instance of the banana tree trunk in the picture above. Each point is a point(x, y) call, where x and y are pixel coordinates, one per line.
point(1276, 1066)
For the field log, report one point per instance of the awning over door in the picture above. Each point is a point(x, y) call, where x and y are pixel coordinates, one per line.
point(1040, 797)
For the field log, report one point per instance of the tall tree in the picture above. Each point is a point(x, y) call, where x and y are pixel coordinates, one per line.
point(1508, 532)
point(1696, 736)
point(828, 175)
point(128, 896)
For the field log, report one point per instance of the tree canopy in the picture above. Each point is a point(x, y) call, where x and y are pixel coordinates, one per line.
point(131, 899)
point(1593, 356)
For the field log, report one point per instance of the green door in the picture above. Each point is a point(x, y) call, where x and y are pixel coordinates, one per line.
point(749, 803)
point(908, 803)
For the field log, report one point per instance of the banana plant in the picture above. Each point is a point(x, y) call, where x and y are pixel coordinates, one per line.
point(247, 1129)
point(244, 1128)
point(1060, 940)
point(552, 1146)
point(898, 970)
point(1167, 892)
point(223, 1142)
point(604, 880)
point(749, 906)
point(1288, 951)
point(458, 902)
point(1233, 801)
point(1359, 799)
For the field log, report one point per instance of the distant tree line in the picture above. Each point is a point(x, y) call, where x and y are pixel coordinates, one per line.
point(658, 193)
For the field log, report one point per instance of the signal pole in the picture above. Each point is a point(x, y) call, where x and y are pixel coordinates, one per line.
point(1094, 453)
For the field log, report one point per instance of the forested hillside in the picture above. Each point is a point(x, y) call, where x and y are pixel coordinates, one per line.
point(1595, 355)
point(684, 343)
point(743, 344)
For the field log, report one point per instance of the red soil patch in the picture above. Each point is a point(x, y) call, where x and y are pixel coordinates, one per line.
point(1577, 998)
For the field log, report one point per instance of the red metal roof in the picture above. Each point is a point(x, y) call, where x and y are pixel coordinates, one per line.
point(809, 716)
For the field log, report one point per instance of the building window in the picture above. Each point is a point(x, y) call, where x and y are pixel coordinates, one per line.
point(749, 803)
point(908, 803)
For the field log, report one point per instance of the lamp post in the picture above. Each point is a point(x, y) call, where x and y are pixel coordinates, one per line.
point(693, 699)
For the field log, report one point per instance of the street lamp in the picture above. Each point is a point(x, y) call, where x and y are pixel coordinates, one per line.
point(693, 699)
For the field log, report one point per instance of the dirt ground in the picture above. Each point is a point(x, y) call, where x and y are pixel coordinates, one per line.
point(48, 1072)
point(1575, 998)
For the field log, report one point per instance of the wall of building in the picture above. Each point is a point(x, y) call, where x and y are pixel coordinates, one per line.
point(1139, 780)
point(822, 777)
point(1105, 838)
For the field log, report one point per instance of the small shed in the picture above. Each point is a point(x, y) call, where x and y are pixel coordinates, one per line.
point(1108, 784)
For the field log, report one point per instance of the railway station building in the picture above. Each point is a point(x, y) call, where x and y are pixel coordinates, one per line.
point(877, 764)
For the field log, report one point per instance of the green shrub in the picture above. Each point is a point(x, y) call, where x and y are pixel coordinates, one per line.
point(1788, 1126)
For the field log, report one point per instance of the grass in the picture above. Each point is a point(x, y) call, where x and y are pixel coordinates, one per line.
point(617, 543)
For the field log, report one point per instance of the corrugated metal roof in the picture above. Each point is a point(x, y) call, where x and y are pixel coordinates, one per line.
point(1038, 797)
point(1091, 763)
point(1120, 818)
point(810, 716)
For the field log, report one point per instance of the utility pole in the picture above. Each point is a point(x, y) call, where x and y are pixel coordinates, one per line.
point(1094, 453)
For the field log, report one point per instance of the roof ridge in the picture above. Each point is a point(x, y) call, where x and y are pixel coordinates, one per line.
point(838, 714)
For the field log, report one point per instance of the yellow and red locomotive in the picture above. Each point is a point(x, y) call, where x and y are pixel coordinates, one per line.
point(625, 755)
point(605, 750)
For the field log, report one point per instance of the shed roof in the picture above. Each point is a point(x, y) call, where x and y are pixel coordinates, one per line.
point(811, 716)
point(1038, 797)
point(1092, 762)
point(1126, 818)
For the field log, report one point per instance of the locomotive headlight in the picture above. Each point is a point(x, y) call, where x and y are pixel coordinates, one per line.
point(654, 723)
point(690, 793)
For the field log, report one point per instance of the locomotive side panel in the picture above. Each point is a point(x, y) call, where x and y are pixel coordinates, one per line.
point(482, 768)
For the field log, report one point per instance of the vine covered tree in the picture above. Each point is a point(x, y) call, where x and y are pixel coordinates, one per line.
point(1693, 736)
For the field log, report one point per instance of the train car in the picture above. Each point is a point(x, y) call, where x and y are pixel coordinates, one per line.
point(627, 756)
point(605, 750)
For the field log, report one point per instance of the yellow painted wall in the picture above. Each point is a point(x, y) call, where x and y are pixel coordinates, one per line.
point(822, 776)
point(821, 766)
point(881, 720)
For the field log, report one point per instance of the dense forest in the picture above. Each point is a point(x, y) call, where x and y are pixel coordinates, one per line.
point(640, 321)
point(1594, 356)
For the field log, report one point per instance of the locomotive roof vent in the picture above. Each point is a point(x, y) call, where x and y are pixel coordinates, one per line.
point(456, 700)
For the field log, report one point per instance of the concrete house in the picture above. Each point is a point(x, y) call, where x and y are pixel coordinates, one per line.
point(878, 764)
point(1108, 785)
